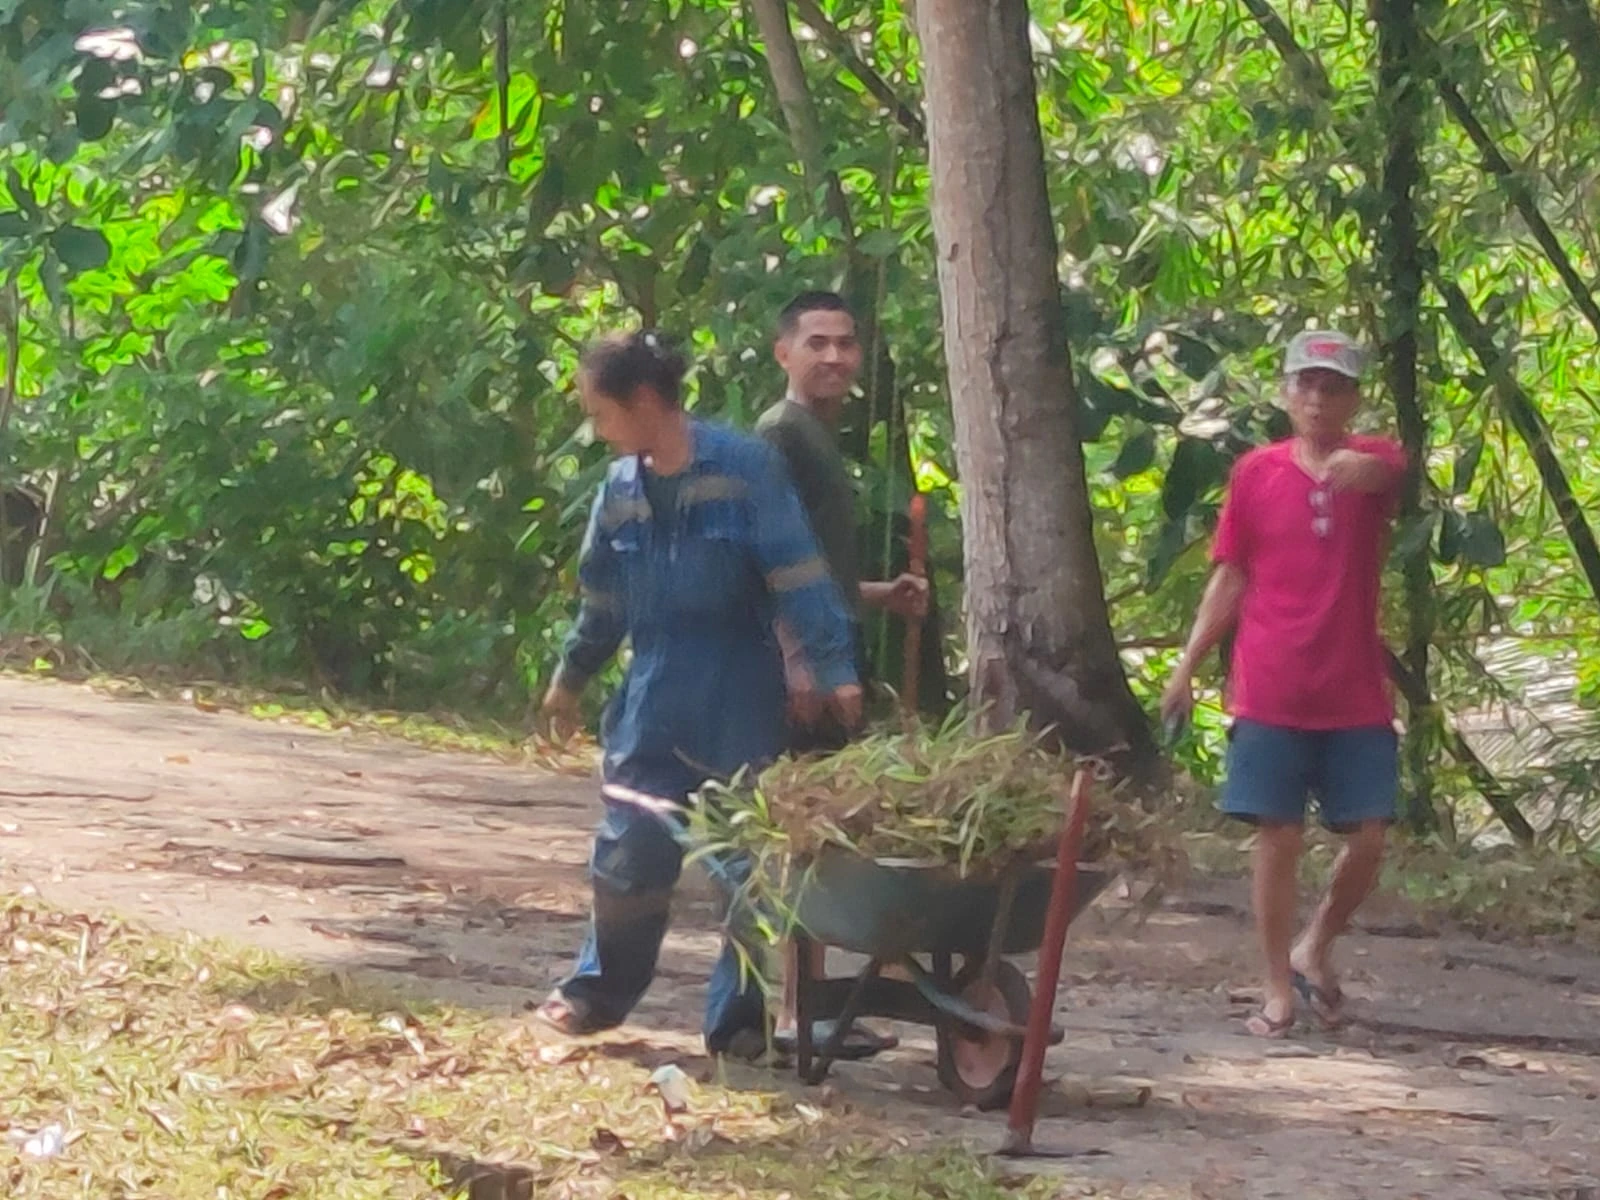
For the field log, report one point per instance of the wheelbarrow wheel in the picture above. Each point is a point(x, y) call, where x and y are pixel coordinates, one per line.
point(981, 1067)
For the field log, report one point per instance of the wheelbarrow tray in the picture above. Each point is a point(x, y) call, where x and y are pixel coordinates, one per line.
point(888, 909)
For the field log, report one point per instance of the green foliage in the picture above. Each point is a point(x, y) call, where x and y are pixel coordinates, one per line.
point(299, 359)
point(299, 288)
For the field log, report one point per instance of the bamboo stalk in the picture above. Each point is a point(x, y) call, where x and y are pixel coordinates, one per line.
point(13, 334)
point(1525, 418)
point(1522, 198)
point(1402, 98)
point(1500, 801)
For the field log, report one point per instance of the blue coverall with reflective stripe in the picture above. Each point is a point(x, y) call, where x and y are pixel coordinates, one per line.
point(703, 694)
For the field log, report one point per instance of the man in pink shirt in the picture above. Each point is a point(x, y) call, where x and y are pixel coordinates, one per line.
point(1299, 553)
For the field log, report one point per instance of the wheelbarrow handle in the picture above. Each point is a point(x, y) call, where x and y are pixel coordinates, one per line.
point(1063, 890)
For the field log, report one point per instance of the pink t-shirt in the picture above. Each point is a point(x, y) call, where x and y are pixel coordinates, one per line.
point(1307, 653)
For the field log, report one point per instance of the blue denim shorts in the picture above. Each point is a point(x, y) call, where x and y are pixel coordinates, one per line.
point(1272, 771)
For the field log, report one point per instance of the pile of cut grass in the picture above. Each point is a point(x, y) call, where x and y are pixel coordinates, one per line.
point(942, 795)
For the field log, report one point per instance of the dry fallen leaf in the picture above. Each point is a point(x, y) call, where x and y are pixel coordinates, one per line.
point(555, 1055)
point(168, 1126)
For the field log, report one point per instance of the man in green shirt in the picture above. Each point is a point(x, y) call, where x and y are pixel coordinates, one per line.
point(818, 350)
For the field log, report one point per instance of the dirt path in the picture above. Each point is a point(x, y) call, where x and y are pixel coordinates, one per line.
point(1474, 1069)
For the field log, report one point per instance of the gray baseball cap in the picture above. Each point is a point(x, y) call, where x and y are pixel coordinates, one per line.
point(1327, 349)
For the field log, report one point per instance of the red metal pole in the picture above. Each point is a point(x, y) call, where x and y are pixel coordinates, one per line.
point(1063, 900)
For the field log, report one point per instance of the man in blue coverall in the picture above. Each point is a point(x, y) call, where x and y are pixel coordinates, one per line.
point(697, 545)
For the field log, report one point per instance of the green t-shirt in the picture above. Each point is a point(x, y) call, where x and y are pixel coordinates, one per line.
point(811, 452)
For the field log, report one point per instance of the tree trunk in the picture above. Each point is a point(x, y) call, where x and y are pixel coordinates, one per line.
point(1038, 630)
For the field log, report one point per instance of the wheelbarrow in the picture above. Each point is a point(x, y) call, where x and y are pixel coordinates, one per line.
point(936, 947)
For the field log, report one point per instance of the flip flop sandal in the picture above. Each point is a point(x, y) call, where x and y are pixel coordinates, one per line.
point(859, 1043)
point(566, 1016)
point(1326, 1003)
point(1258, 1024)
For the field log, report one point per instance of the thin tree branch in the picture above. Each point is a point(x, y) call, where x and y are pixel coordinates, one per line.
point(11, 311)
point(1307, 70)
point(40, 550)
point(1576, 22)
point(799, 109)
point(1500, 800)
point(1521, 195)
point(836, 41)
point(13, 319)
point(1524, 417)
point(502, 82)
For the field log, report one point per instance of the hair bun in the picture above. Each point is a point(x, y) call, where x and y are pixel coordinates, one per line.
point(666, 350)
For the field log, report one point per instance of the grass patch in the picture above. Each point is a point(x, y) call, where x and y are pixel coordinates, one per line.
point(179, 1069)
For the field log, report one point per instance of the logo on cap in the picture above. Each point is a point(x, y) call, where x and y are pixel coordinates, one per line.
point(1324, 348)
